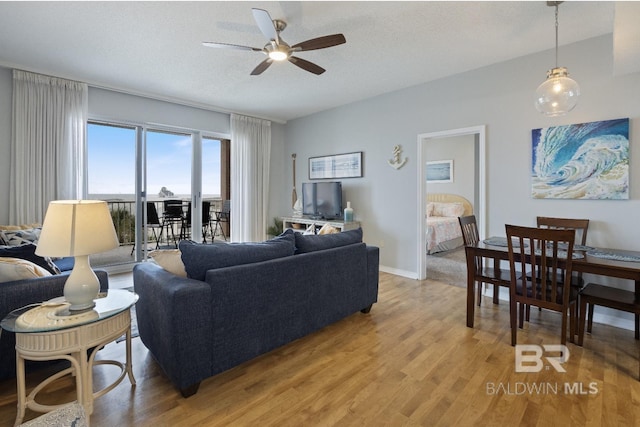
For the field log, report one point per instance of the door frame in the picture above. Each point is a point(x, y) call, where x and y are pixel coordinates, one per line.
point(423, 140)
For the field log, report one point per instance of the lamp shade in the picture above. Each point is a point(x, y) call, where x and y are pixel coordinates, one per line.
point(77, 227)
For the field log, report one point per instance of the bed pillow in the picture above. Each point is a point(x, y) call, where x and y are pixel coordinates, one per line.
point(430, 209)
point(453, 209)
point(12, 269)
point(320, 242)
point(28, 252)
point(198, 258)
point(170, 260)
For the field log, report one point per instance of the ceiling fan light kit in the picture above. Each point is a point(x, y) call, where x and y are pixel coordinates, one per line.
point(558, 94)
point(277, 49)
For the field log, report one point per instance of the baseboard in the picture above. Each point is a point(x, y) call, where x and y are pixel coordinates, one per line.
point(397, 272)
point(598, 316)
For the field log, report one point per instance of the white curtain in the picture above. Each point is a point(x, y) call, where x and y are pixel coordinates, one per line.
point(250, 157)
point(48, 143)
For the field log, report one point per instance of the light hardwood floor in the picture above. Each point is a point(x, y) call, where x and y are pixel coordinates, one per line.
point(411, 361)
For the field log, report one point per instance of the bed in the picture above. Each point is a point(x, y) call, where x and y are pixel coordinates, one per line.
point(443, 228)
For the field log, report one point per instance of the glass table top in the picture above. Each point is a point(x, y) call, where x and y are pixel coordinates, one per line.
point(55, 315)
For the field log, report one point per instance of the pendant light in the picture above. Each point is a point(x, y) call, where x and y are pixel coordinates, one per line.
point(558, 94)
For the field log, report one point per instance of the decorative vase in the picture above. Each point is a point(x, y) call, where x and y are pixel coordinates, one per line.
point(348, 213)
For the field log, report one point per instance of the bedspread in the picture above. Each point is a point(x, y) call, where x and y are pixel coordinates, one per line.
point(442, 229)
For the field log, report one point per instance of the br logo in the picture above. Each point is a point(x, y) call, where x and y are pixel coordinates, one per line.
point(529, 357)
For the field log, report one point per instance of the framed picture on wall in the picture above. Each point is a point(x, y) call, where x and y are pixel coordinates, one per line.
point(581, 161)
point(439, 171)
point(347, 165)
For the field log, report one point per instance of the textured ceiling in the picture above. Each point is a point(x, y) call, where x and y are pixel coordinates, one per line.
point(154, 48)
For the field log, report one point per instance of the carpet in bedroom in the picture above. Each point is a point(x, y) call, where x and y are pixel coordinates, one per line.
point(448, 267)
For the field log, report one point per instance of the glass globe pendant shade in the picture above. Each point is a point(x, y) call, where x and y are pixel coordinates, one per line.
point(558, 94)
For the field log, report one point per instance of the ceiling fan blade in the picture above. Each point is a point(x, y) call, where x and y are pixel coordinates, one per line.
point(320, 42)
point(265, 23)
point(261, 67)
point(231, 46)
point(306, 65)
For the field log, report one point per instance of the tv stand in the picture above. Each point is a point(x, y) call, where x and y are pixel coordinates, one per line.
point(300, 224)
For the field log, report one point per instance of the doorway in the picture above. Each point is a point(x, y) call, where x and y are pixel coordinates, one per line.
point(478, 144)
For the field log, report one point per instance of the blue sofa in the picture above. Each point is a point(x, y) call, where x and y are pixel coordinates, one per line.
point(20, 293)
point(225, 315)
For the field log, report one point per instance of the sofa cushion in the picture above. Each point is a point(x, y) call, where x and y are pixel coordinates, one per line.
point(19, 269)
point(199, 257)
point(312, 243)
point(28, 252)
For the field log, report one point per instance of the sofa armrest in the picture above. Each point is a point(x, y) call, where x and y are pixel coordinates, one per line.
point(20, 293)
point(174, 322)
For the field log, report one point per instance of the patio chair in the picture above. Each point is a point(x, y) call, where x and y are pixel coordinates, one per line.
point(222, 217)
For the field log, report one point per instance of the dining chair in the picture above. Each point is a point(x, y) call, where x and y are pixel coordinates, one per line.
point(546, 253)
point(580, 225)
point(606, 296)
point(222, 217)
point(493, 275)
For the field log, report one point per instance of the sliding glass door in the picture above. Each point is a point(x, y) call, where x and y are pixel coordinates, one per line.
point(152, 178)
point(111, 176)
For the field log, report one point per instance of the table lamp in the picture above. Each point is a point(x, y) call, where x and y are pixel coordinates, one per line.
point(78, 228)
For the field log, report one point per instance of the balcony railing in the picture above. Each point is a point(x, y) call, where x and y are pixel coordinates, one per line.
point(123, 214)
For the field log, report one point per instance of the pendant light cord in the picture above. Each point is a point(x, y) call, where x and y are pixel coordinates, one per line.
point(556, 35)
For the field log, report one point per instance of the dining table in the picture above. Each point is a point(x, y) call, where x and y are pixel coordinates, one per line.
point(618, 263)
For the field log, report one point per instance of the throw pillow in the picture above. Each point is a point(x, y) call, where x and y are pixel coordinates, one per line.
point(18, 269)
point(170, 260)
point(20, 237)
point(326, 241)
point(198, 258)
point(28, 252)
point(328, 229)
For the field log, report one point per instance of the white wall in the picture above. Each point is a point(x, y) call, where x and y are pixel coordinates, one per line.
point(111, 105)
point(498, 96)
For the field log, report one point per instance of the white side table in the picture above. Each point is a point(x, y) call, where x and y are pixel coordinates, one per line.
point(50, 332)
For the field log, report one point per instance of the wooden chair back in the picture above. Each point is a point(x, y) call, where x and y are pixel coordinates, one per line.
point(547, 254)
point(469, 228)
point(580, 225)
point(492, 273)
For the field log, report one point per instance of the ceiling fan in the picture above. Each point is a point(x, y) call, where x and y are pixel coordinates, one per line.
point(277, 49)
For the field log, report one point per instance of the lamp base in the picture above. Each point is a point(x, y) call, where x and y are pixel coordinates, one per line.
point(81, 307)
point(82, 286)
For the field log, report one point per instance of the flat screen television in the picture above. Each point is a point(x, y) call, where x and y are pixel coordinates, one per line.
point(322, 200)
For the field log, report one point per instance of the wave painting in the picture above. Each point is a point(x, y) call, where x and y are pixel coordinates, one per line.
point(581, 161)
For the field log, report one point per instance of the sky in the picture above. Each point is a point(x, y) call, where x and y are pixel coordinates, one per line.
point(111, 162)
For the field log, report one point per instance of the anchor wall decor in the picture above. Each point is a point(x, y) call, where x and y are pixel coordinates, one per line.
point(395, 162)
